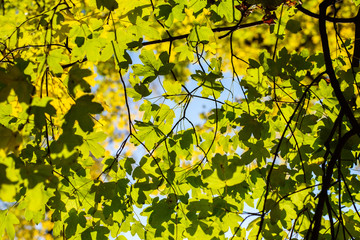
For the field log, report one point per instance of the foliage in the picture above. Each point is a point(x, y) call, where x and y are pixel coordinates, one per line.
point(103, 134)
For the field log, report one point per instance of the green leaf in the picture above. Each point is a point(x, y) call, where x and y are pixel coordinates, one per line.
point(187, 139)
point(147, 72)
point(164, 12)
point(148, 58)
point(69, 139)
point(144, 28)
point(80, 112)
point(293, 26)
point(147, 133)
point(172, 87)
point(111, 5)
point(168, 13)
point(226, 9)
point(9, 141)
point(7, 221)
point(91, 143)
point(200, 34)
point(251, 127)
point(40, 107)
point(142, 89)
point(5, 114)
point(92, 48)
point(213, 180)
point(73, 221)
point(54, 59)
point(76, 80)
point(161, 212)
point(122, 59)
point(138, 228)
point(13, 78)
point(3, 178)
point(35, 200)
point(185, 53)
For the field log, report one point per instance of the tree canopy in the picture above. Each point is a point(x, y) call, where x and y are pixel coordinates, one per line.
point(179, 119)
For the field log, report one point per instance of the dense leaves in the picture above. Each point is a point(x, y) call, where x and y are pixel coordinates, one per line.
point(181, 119)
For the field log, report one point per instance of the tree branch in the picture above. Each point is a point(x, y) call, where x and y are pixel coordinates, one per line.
point(220, 29)
point(330, 70)
point(327, 182)
point(327, 18)
point(356, 55)
point(277, 152)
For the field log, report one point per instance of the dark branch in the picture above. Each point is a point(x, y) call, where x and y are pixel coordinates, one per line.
point(356, 56)
point(327, 18)
point(220, 29)
point(327, 182)
point(278, 150)
point(330, 70)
